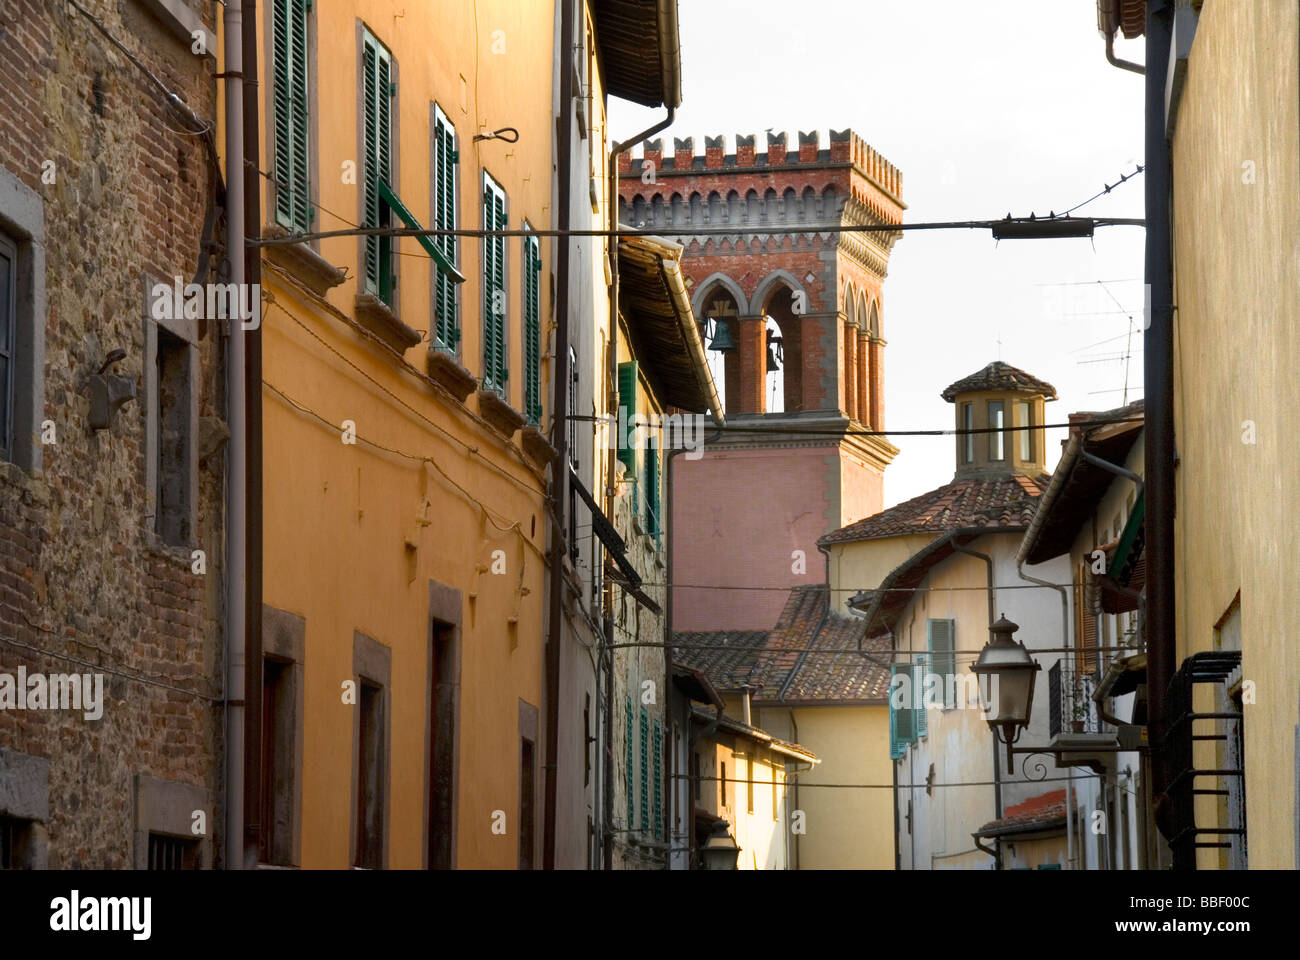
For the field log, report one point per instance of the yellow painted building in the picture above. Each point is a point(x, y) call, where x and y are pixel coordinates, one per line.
point(405, 520)
point(1235, 154)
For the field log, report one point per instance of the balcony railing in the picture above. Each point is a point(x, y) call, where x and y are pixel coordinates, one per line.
point(1070, 705)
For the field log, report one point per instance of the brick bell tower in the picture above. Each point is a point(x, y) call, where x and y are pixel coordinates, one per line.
point(788, 469)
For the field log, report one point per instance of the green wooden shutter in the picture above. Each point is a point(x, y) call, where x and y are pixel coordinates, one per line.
point(630, 772)
point(939, 640)
point(920, 668)
point(652, 493)
point(495, 371)
point(627, 384)
point(902, 719)
point(293, 208)
point(657, 744)
point(645, 770)
point(532, 331)
point(444, 218)
point(376, 93)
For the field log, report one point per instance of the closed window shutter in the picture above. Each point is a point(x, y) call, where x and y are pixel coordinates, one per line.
point(942, 655)
point(444, 186)
point(657, 745)
point(289, 42)
point(494, 303)
point(376, 93)
point(627, 383)
point(630, 773)
point(645, 770)
point(532, 331)
point(652, 493)
point(919, 669)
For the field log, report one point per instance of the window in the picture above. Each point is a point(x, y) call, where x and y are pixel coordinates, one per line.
point(968, 439)
point(495, 366)
point(997, 415)
point(8, 336)
point(776, 801)
point(377, 92)
point(627, 383)
point(442, 744)
point(902, 710)
point(1025, 418)
point(14, 834)
point(532, 335)
point(920, 667)
point(293, 209)
point(446, 162)
point(939, 641)
point(749, 781)
point(371, 776)
point(695, 773)
point(645, 770)
point(572, 428)
point(722, 784)
point(173, 404)
point(278, 736)
point(527, 803)
point(172, 853)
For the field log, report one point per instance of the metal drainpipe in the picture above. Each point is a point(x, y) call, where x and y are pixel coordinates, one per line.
point(997, 776)
point(236, 470)
point(560, 421)
point(1116, 62)
point(253, 447)
point(1159, 380)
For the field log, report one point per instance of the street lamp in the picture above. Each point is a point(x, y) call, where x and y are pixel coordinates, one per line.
point(1006, 672)
point(720, 851)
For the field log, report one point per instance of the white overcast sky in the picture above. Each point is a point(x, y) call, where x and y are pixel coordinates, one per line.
point(987, 108)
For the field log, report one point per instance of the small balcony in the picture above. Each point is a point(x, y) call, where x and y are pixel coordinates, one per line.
point(1079, 738)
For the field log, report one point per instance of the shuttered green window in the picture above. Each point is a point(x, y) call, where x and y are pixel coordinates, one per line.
point(939, 639)
point(495, 368)
point(630, 772)
point(902, 718)
point(645, 770)
point(377, 91)
point(293, 209)
point(652, 516)
point(532, 333)
point(919, 669)
point(445, 166)
point(627, 453)
point(657, 745)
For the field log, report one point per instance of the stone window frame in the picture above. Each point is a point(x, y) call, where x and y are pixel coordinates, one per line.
point(284, 637)
point(372, 661)
point(445, 606)
point(22, 220)
point(167, 807)
point(187, 331)
point(25, 795)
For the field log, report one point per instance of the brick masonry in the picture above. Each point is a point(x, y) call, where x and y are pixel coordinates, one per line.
point(746, 514)
point(83, 577)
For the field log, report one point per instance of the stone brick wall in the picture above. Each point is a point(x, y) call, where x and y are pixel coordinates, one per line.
point(86, 586)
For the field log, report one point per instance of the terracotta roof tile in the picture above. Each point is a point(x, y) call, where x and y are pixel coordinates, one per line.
point(789, 657)
point(993, 500)
point(999, 376)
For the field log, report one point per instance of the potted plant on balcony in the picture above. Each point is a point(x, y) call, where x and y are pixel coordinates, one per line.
point(1079, 706)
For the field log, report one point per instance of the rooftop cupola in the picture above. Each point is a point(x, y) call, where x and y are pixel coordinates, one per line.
point(1008, 403)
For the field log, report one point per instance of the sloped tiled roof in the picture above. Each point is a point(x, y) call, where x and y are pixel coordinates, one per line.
point(794, 661)
point(1037, 813)
point(999, 376)
point(987, 500)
